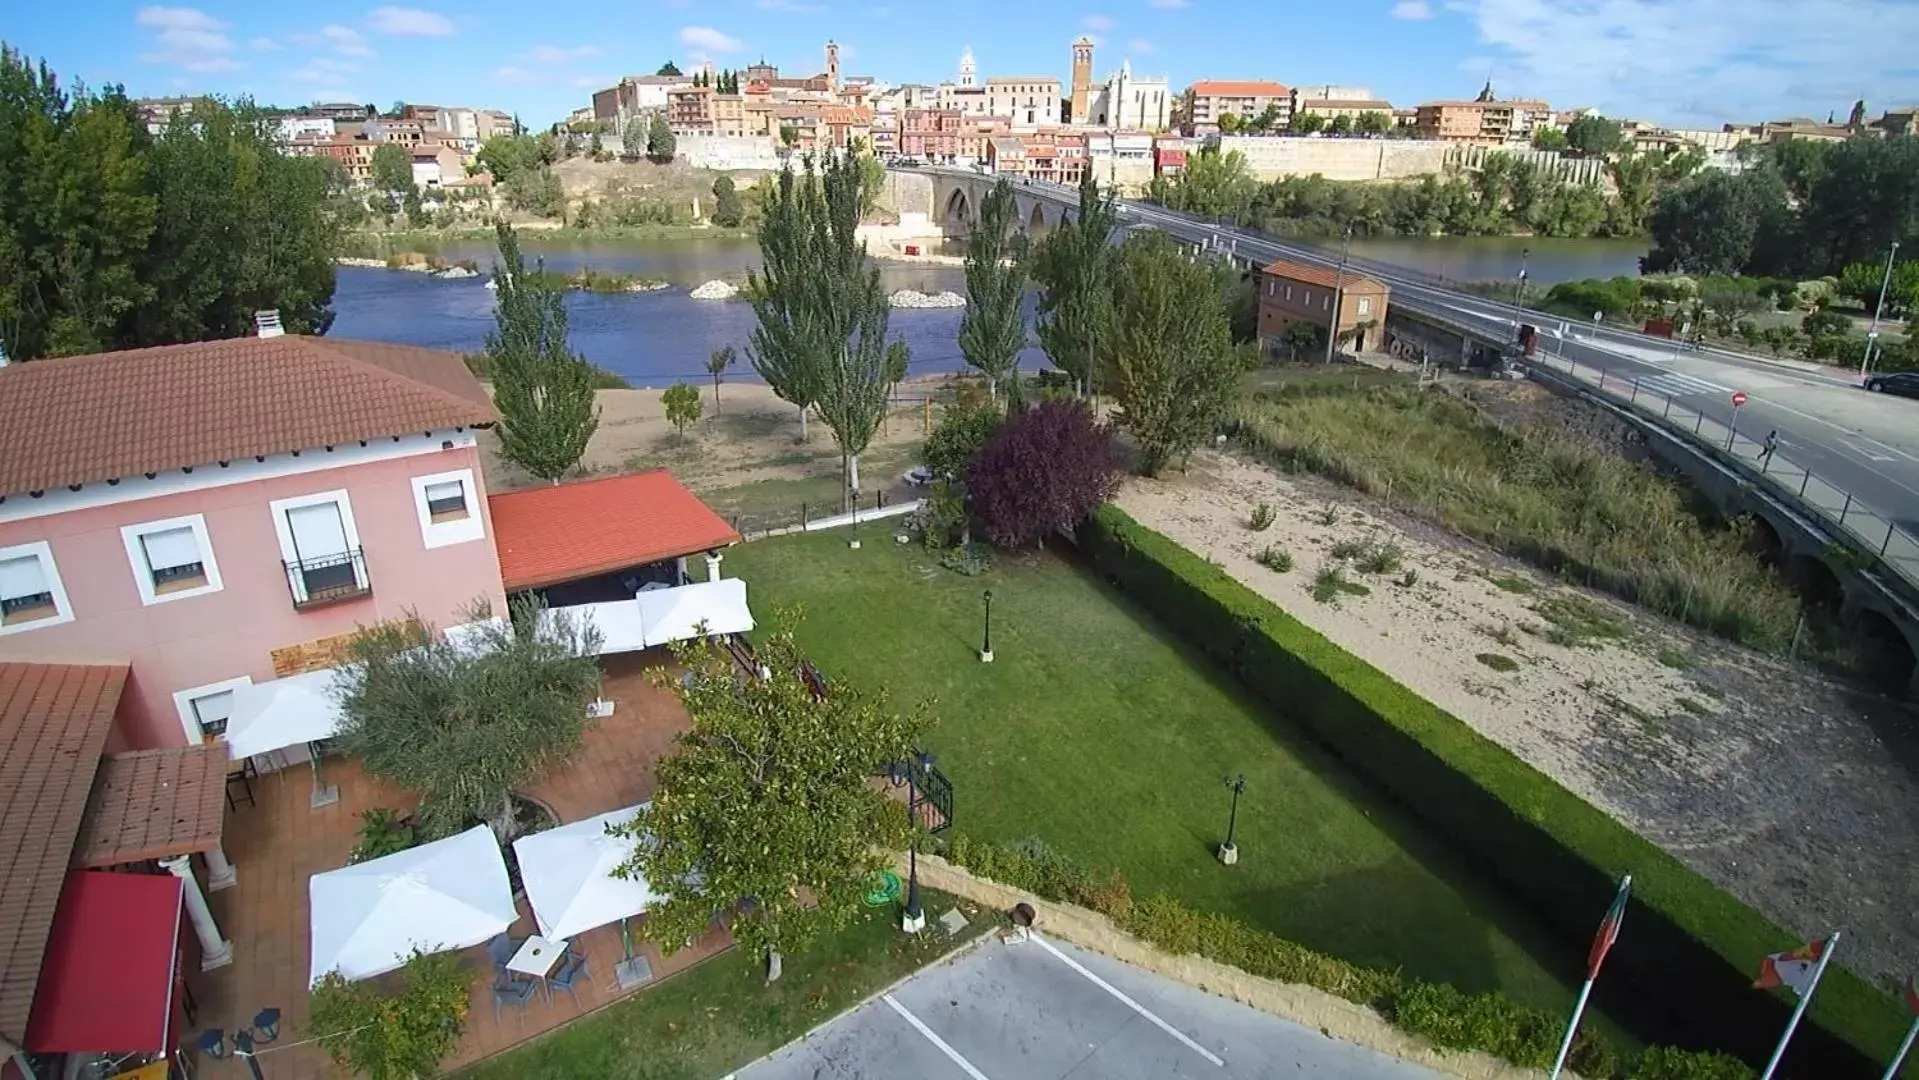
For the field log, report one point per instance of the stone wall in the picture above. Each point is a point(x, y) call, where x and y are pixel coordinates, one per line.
point(907, 193)
point(1270, 158)
point(728, 153)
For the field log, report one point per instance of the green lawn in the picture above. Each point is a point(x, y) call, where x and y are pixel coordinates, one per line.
point(1098, 733)
point(718, 1016)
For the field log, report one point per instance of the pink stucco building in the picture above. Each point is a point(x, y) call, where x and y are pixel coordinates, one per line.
point(212, 514)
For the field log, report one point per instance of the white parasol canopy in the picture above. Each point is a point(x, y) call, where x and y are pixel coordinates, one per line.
point(660, 616)
point(448, 894)
point(568, 875)
point(283, 712)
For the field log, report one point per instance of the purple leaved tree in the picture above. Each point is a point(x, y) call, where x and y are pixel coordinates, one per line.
point(1046, 468)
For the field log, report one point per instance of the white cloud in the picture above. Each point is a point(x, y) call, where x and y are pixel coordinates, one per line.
point(1166, 5)
point(517, 76)
point(1096, 22)
point(1412, 9)
point(409, 22)
point(557, 54)
point(263, 44)
point(710, 40)
point(345, 40)
point(1702, 61)
point(325, 71)
point(1141, 47)
point(187, 38)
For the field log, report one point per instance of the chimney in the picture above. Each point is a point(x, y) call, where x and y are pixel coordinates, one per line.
point(268, 323)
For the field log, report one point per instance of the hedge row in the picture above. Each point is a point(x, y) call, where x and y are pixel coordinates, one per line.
point(1682, 971)
point(1488, 1023)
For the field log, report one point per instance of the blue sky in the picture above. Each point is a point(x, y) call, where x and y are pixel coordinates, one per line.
point(1673, 61)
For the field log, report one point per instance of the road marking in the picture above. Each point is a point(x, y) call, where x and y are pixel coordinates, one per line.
point(1129, 1002)
point(1869, 455)
point(932, 1037)
point(1893, 450)
point(1679, 384)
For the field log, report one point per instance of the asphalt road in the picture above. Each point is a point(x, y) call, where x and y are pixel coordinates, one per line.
point(1047, 1010)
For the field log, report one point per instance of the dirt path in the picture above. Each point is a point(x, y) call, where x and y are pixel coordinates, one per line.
point(1795, 793)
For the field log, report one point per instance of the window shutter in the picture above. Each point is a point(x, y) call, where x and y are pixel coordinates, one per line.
point(23, 576)
point(170, 548)
point(213, 711)
point(451, 491)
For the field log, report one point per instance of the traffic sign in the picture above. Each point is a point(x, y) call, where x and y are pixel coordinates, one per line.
point(1738, 399)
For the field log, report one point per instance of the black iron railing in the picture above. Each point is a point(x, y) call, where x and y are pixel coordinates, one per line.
point(328, 579)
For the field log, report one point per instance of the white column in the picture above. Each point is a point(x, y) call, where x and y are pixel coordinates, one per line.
point(679, 570)
point(220, 872)
point(215, 951)
point(713, 565)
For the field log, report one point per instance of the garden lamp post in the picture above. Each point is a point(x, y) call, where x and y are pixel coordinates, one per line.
point(1878, 311)
point(265, 1029)
point(1519, 287)
point(986, 639)
point(914, 919)
point(1229, 851)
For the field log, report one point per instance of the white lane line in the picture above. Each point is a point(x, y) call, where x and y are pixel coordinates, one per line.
point(1129, 1002)
point(951, 1054)
point(1870, 455)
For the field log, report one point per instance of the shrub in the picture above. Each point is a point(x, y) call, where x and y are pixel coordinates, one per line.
point(1043, 470)
point(962, 430)
point(1262, 518)
point(1672, 1063)
point(1824, 324)
point(382, 832)
point(394, 1036)
point(1380, 559)
point(1275, 558)
point(682, 404)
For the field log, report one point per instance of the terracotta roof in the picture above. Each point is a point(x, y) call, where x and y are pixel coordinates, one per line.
point(1239, 88)
point(154, 804)
point(54, 719)
point(1318, 275)
point(79, 419)
point(553, 534)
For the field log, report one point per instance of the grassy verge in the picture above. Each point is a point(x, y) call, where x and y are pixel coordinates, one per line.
point(721, 1015)
point(1533, 493)
point(1104, 737)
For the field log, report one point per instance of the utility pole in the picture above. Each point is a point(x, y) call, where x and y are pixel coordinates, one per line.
point(1339, 291)
point(1878, 311)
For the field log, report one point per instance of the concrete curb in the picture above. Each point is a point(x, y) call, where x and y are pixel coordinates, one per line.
point(1335, 1017)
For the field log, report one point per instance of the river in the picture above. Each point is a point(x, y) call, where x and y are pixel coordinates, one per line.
point(653, 339)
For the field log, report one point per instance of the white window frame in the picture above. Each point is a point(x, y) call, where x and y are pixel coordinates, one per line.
point(1365, 306)
point(435, 534)
point(183, 703)
point(283, 532)
point(131, 536)
point(63, 611)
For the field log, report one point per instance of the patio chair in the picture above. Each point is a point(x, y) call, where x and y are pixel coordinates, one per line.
point(511, 991)
point(501, 949)
point(572, 972)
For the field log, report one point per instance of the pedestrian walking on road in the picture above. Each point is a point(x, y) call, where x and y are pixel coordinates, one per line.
point(1766, 450)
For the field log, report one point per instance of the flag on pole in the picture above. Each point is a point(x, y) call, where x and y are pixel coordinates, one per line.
point(1794, 968)
point(1912, 994)
point(1608, 928)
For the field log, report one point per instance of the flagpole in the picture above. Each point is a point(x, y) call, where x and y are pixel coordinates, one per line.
point(1600, 947)
point(1905, 1047)
point(1572, 1028)
point(1799, 1010)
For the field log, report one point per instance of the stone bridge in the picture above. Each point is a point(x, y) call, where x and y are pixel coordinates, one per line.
point(957, 195)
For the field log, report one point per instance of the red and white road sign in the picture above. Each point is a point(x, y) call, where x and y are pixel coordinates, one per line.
point(1738, 398)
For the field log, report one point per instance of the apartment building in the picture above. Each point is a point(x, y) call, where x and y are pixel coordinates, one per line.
point(214, 513)
point(404, 132)
point(437, 165)
point(689, 110)
point(1028, 100)
point(310, 128)
point(846, 126)
point(635, 95)
point(1209, 99)
point(1330, 109)
point(931, 134)
point(355, 155)
point(1483, 121)
point(1293, 293)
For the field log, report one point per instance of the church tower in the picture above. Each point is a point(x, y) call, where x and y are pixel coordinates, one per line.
point(969, 71)
point(1082, 95)
point(832, 66)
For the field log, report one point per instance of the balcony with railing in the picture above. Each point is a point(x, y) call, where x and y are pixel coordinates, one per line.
point(328, 579)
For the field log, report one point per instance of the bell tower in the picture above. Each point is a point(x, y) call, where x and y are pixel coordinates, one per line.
point(832, 66)
point(1081, 99)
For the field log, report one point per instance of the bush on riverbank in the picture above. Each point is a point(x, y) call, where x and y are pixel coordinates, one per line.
point(1587, 514)
point(478, 364)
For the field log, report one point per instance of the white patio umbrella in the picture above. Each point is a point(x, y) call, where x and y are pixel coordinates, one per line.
point(661, 616)
point(287, 712)
point(568, 875)
point(448, 894)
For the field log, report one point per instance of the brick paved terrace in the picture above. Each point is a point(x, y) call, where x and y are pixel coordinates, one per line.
point(280, 841)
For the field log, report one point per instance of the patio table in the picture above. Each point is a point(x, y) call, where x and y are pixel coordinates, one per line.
point(536, 958)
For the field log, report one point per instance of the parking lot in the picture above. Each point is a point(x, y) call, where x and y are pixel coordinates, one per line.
point(1042, 1009)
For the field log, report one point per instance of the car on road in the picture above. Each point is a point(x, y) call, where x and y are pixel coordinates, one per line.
point(1902, 383)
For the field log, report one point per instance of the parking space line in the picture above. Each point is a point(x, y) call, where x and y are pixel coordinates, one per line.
point(952, 1054)
point(1128, 1002)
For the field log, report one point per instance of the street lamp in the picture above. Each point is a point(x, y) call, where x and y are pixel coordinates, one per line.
point(265, 1029)
point(1229, 851)
point(1519, 288)
point(914, 920)
point(1878, 311)
point(986, 639)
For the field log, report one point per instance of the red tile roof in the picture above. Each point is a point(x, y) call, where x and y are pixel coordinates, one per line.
point(54, 720)
point(1324, 276)
point(154, 804)
point(1238, 88)
point(80, 419)
point(553, 534)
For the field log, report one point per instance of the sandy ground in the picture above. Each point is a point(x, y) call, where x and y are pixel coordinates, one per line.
point(746, 459)
point(1795, 793)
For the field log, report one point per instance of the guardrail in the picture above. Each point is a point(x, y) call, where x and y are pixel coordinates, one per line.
point(1876, 538)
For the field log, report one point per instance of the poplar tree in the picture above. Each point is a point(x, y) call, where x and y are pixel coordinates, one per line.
point(543, 389)
point(1075, 301)
point(993, 330)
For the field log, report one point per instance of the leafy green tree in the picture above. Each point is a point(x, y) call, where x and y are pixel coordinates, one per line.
point(1372, 123)
point(728, 211)
point(1857, 118)
point(1230, 124)
point(1175, 366)
point(543, 389)
point(1213, 184)
point(1341, 125)
point(465, 725)
point(716, 364)
point(392, 168)
point(538, 191)
point(1635, 178)
point(507, 156)
point(660, 143)
point(682, 404)
point(1571, 210)
point(1548, 138)
point(1594, 136)
point(767, 802)
point(964, 427)
point(789, 135)
point(1070, 267)
point(1707, 226)
point(1308, 123)
point(399, 1035)
point(416, 215)
point(899, 357)
point(993, 329)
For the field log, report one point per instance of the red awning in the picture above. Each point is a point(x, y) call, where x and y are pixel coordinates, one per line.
point(107, 983)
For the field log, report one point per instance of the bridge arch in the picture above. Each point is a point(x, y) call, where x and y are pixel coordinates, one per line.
point(1817, 581)
point(957, 215)
point(1036, 222)
point(1885, 651)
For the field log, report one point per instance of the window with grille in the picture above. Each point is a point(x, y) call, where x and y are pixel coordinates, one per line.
point(26, 594)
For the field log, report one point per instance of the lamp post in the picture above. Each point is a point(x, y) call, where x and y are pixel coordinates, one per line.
point(986, 639)
point(265, 1029)
point(1229, 851)
point(1878, 310)
point(1339, 289)
point(1519, 288)
point(914, 919)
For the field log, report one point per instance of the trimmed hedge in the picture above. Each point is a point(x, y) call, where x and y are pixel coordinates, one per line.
point(1682, 971)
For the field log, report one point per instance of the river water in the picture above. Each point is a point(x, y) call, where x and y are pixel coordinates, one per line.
point(653, 339)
